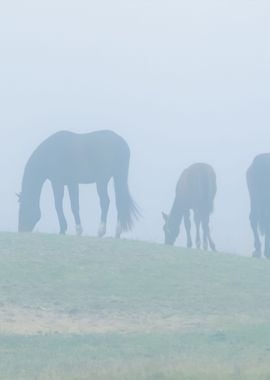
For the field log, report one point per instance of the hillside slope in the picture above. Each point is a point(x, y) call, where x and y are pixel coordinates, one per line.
point(84, 308)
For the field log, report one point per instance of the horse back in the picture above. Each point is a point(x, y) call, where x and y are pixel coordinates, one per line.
point(81, 158)
point(197, 187)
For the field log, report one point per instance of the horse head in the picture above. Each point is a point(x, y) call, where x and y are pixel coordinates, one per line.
point(29, 214)
point(171, 229)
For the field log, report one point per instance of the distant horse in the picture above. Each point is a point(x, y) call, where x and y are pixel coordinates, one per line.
point(195, 190)
point(69, 159)
point(258, 181)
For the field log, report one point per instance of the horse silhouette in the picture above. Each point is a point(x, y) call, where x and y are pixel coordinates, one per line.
point(195, 190)
point(69, 159)
point(258, 181)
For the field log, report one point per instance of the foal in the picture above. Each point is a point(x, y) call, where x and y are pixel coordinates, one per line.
point(195, 190)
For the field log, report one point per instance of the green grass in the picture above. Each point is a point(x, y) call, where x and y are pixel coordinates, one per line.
point(83, 308)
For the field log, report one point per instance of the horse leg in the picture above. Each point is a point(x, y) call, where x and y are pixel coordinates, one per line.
point(188, 228)
point(207, 236)
point(73, 190)
point(267, 245)
point(257, 242)
point(197, 221)
point(58, 191)
point(118, 230)
point(102, 189)
point(267, 242)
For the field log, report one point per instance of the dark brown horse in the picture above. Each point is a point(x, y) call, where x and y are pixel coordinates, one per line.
point(258, 181)
point(195, 190)
point(69, 159)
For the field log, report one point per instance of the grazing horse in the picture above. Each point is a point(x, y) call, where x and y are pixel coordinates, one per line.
point(195, 190)
point(258, 181)
point(69, 159)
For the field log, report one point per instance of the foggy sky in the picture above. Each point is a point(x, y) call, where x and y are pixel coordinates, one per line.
point(181, 81)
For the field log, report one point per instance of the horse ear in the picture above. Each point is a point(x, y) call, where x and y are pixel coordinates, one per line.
point(19, 197)
point(165, 216)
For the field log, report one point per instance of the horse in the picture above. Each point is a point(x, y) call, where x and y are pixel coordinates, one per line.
point(258, 182)
point(195, 190)
point(68, 159)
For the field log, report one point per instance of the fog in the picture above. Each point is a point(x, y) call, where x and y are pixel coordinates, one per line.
point(181, 81)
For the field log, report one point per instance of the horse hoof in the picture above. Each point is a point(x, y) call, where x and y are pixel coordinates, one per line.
point(79, 230)
point(257, 254)
point(102, 230)
point(118, 231)
point(267, 255)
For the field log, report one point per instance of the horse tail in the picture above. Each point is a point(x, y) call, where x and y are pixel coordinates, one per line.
point(126, 207)
point(209, 189)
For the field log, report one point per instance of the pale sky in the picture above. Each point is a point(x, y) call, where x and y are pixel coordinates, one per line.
point(181, 81)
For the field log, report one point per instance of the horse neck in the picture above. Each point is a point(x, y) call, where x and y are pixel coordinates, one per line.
point(33, 181)
point(177, 212)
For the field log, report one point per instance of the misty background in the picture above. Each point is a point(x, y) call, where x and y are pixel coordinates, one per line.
point(181, 81)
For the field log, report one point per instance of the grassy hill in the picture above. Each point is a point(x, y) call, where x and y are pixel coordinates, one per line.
point(83, 308)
